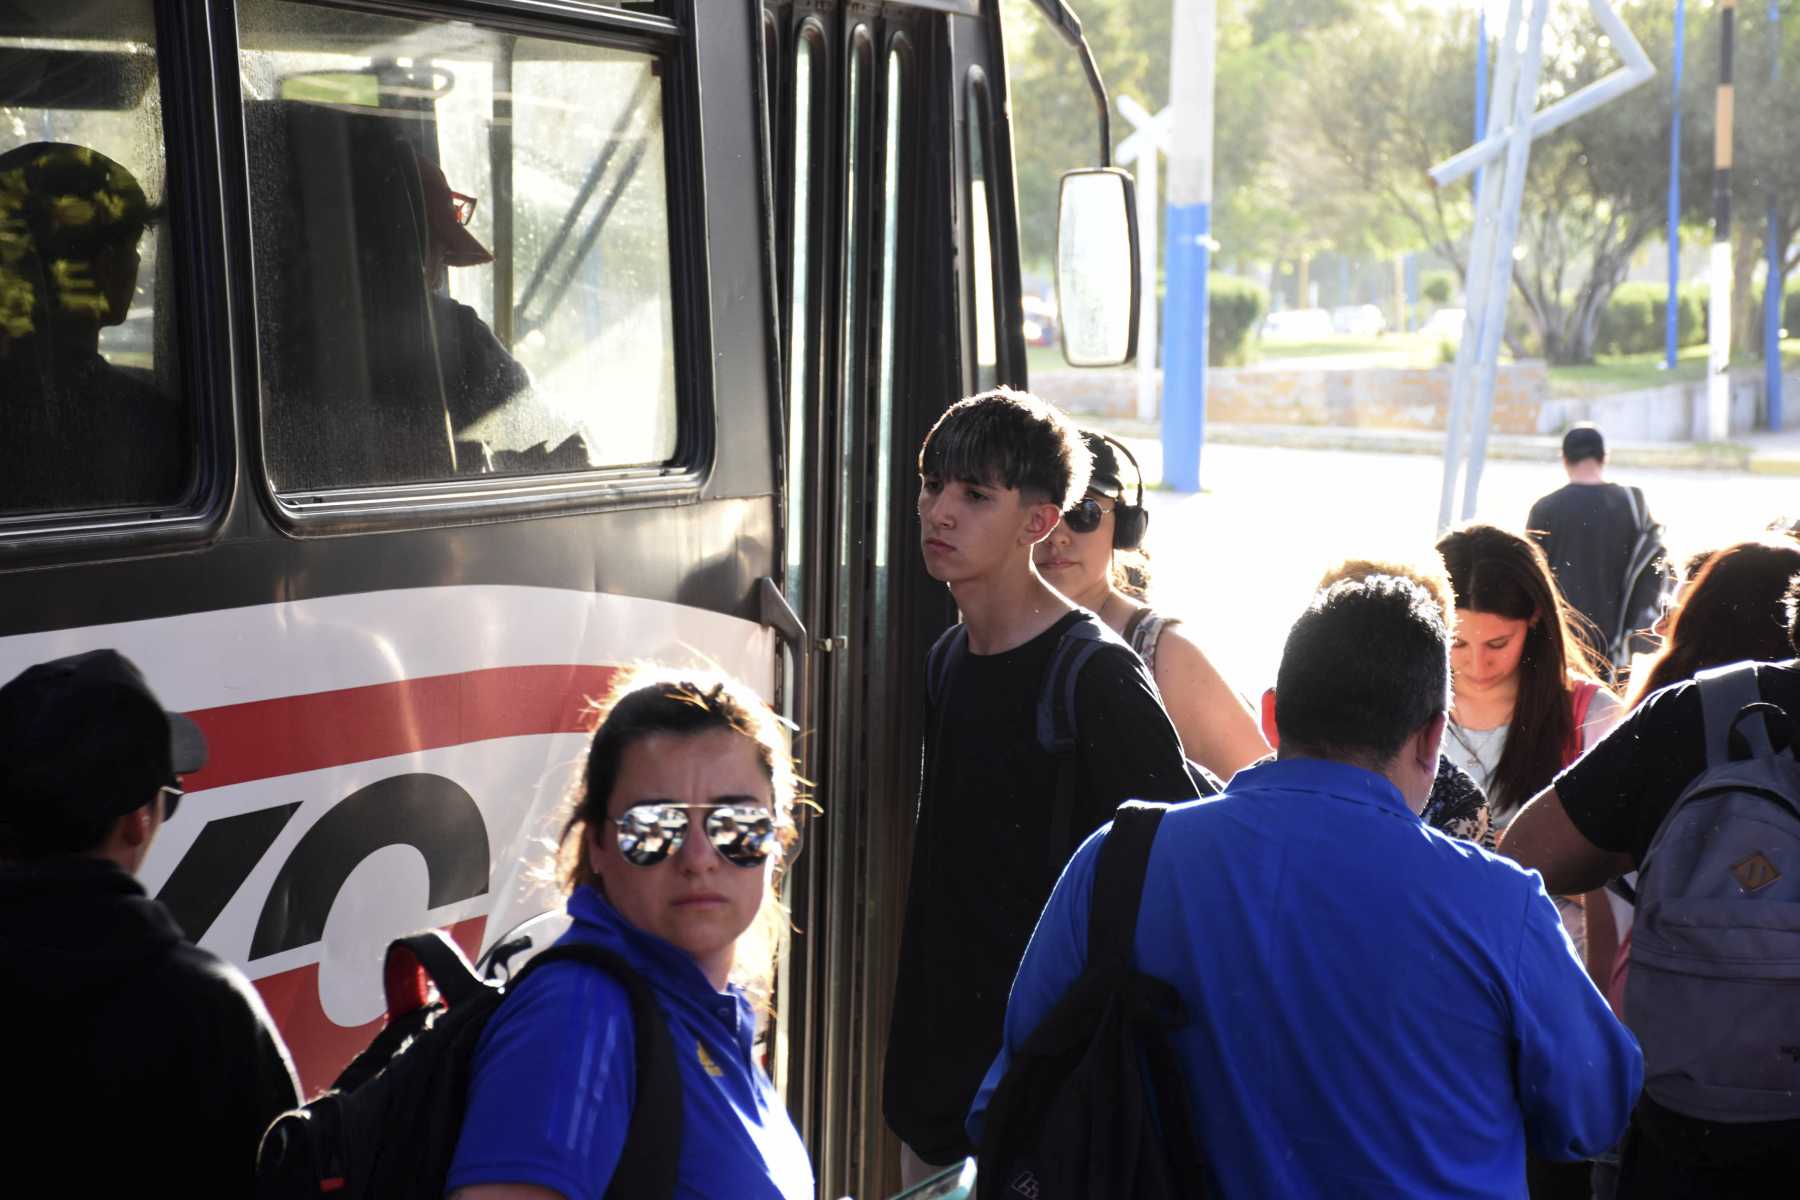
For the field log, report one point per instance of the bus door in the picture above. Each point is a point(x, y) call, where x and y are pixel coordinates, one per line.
point(877, 341)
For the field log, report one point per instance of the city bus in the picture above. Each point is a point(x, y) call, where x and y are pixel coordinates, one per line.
point(401, 372)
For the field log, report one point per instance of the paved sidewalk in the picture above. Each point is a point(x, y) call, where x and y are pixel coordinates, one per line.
point(1759, 453)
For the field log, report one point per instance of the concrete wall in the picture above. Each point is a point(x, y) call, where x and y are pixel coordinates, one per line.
point(1394, 398)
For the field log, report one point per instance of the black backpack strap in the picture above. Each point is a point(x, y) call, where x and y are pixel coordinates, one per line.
point(648, 1164)
point(940, 662)
point(1058, 732)
point(1724, 692)
point(1119, 882)
point(418, 958)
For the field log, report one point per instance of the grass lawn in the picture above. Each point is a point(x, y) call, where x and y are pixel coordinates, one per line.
point(1635, 372)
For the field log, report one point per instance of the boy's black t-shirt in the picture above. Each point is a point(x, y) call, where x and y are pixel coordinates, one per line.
point(983, 866)
point(1618, 793)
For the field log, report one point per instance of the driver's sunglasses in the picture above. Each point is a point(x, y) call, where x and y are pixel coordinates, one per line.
point(1085, 517)
point(463, 206)
point(171, 796)
point(743, 834)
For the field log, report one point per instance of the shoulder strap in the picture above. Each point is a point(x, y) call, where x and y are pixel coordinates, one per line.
point(648, 1164)
point(1579, 705)
point(1057, 730)
point(419, 961)
point(1119, 882)
point(1724, 691)
point(941, 662)
point(1056, 725)
point(1640, 509)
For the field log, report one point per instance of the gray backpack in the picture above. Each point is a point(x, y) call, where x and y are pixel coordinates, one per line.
point(1714, 996)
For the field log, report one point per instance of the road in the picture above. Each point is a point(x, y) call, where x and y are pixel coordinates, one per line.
point(1239, 559)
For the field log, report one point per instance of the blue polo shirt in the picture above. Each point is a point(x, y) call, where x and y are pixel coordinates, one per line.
point(555, 1074)
point(1376, 1009)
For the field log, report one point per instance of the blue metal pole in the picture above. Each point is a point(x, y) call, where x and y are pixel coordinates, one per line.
point(1191, 61)
point(1672, 318)
point(1772, 296)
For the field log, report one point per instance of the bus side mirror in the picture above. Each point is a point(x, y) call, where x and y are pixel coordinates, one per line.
point(1097, 267)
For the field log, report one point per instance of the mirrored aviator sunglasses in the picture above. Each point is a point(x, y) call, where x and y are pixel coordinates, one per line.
point(1085, 516)
point(743, 834)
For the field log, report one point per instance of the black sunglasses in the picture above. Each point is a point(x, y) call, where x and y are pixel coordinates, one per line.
point(743, 834)
point(171, 796)
point(1085, 516)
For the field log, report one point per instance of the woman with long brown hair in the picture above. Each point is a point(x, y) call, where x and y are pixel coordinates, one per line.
point(1526, 701)
point(1528, 696)
point(1730, 611)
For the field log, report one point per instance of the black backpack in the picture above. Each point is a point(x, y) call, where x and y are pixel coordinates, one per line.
point(1647, 578)
point(1093, 1104)
point(1057, 732)
point(388, 1126)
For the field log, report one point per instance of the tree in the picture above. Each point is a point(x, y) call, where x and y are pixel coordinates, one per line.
point(1399, 99)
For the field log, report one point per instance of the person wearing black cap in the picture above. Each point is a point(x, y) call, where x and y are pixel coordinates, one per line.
point(1604, 549)
point(1081, 559)
point(139, 1062)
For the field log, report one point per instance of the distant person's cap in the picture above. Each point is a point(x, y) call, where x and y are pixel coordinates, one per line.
point(84, 740)
point(1583, 441)
point(442, 217)
point(1106, 479)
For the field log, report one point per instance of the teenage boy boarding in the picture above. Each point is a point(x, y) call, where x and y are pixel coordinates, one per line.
point(1375, 1009)
point(995, 475)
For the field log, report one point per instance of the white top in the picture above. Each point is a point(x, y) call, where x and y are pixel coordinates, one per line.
point(1478, 751)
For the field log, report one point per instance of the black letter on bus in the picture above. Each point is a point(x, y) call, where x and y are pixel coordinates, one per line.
point(427, 812)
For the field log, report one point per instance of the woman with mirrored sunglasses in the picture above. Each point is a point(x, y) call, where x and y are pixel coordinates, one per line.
point(670, 856)
point(1090, 558)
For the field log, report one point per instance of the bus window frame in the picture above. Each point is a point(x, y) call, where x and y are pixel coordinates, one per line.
point(189, 101)
point(670, 42)
point(978, 96)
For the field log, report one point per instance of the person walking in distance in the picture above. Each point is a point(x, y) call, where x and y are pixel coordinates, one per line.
point(152, 1066)
point(999, 813)
point(1603, 548)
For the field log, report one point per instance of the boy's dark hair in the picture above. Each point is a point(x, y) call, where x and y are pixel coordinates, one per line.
point(1365, 666)
point(1010, 439)
point(1583, 441)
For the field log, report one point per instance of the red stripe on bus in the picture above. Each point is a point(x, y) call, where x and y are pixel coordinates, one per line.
point(309, 732)
point(320, 1046)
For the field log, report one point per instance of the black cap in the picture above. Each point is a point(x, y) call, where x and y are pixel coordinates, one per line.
point(1584, 441)
point(1107, 479)
point(83, 740)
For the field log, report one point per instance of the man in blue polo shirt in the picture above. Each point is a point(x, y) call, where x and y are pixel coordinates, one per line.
point(1376, 1009)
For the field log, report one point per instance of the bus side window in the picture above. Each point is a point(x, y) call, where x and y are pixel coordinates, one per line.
point(985, 295)
point(92, 415)
point(461, 251)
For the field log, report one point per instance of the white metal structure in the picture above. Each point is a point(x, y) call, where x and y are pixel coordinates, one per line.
point(1514, 122)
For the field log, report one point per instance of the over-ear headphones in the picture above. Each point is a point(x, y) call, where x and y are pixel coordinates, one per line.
point(1130, 521)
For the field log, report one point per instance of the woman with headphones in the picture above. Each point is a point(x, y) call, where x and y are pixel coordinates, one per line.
point(1216, 726)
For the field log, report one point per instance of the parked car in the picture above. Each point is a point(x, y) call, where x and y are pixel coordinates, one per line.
point(1446, 325)
point(1297, 325)
point(1039, 322)
point(1359, 320)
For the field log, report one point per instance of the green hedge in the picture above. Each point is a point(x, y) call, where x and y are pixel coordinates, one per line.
point(1633, 321)
point(1437, 287)
point(1234, 308)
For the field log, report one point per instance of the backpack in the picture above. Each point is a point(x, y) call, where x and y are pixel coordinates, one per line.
point(1641, 589)
point(1715, 950)
point(388, 1126)
point(1092, 1104)
point(1057, 731)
